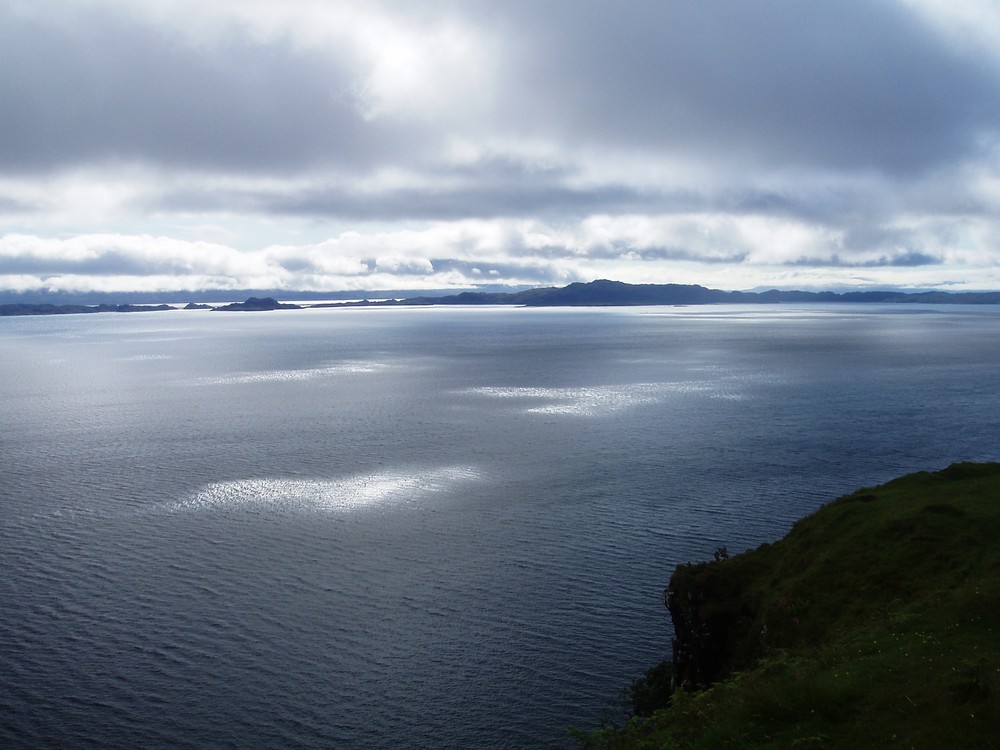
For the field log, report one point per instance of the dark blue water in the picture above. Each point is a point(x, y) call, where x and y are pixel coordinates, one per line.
point(424, 527)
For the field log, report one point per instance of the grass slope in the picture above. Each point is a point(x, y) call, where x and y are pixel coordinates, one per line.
point(874, 623)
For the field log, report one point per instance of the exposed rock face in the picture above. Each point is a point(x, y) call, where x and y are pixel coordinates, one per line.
point(730, 613)
point(690, 635)
point(701, 631)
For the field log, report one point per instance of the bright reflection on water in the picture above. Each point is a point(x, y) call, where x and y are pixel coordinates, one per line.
point(311, 495)
point(443, 528)
point(290, 375)
point(589, 401)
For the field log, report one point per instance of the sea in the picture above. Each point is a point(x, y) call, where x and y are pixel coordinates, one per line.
point(429, 527)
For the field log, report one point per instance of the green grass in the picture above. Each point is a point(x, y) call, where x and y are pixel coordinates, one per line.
point(874, 623)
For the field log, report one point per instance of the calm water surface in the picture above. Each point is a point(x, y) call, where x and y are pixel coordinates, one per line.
point(428, 527)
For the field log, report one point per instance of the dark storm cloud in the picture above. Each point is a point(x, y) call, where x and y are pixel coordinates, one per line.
point(108, 262)
point(909, 260)
point(851, 84)
point(487, 189)
point(473, 202)
point(861, 237)
point(485, 272)
point(483, 197)
point(661, 253)
point(502, 188)
point(905, 259)
point(96, 86)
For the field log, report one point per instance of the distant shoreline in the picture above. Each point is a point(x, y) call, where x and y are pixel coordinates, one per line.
point(601, 293)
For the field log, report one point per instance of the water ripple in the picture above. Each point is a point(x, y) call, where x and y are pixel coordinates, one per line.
point(590, 401)
point(308, 373)
point(270, 493)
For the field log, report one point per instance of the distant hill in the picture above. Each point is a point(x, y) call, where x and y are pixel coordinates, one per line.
point(257, 304)
point(616, 293)
point(600, 293)
point(214, 296)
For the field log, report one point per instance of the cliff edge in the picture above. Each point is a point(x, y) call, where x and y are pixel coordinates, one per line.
point(874, 623)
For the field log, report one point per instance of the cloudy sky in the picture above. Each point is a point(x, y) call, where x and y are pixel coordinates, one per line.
point(326, 145)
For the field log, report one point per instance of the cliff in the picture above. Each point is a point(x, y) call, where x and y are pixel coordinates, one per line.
point(874, 623)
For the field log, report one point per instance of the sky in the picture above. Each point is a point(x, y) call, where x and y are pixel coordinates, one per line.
point(318, 145)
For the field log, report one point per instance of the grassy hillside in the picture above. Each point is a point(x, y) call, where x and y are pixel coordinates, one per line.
point(874, 623)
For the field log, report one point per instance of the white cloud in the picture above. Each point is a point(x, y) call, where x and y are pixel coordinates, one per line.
point(727, 251)
point(408, 60)
point(971, 26)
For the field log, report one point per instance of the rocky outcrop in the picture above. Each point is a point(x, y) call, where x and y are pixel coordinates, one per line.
point(709, 624)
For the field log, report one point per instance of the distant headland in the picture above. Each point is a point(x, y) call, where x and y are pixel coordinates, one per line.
point(49, 309)
point(873, 623)
point(600, 293)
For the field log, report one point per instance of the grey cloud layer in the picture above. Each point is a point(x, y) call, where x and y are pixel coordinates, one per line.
point(776, 82)
point(779, 82)
point(98, 86)
point(520, 142)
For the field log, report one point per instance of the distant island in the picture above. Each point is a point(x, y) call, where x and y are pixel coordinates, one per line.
point(873, 623)
point(253, 304)
point(600, 293)
point(49, 309)
point(257, 304)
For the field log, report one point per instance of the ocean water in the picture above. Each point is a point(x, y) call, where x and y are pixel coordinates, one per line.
point(429, 527)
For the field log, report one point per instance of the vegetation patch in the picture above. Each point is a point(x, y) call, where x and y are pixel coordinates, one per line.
point(871, 624)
